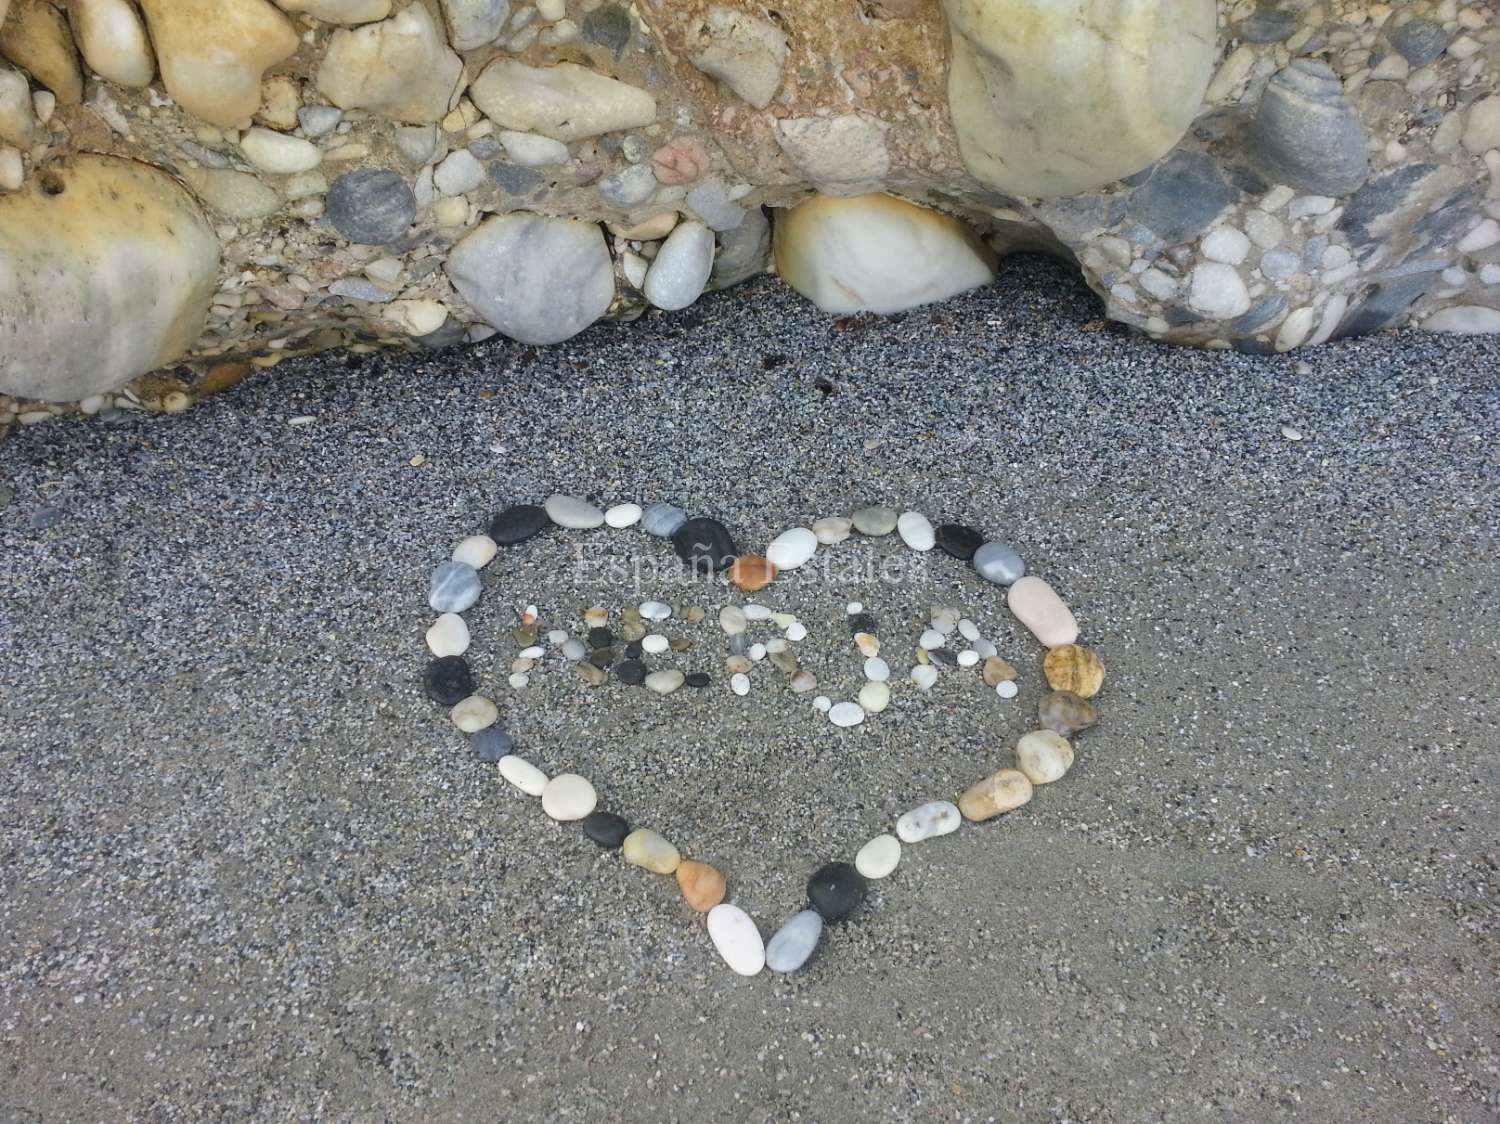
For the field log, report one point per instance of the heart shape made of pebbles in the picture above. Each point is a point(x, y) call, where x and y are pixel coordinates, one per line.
point(836, 889)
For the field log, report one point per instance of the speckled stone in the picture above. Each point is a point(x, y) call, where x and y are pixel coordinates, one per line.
point(448, 680)
point(517, 524)
point(606, 829)
point(937, 817)
point(794, 942)
point(836, 890)
point(371, 206)
point(1071, 667)
point(998, 563)
point(491, 744)
point(832, 530)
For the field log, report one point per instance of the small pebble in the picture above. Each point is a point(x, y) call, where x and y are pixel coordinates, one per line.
point(916, 531)
point(755, 612)
point(875, 521)
point(665, 682)
point(998, 563)
point(757, 652)
point(454, 587)
point(1007, 689)
point(846, 714)
point(702, 886)
point(631, 672)
point(517, 524)
point(568, 796)
point(958, 541)
point(448, 636)
point(996, 671)
point(732, 619)
point(695, 614)
point(696, 679)
point(705, 545)
point(985, 648)
point(650, 851)
point(524, 635)
point(924, 676)
point(877, 670)
point(868, 644)
point(794, 942)
point(782, 660)
point(1069, 667)
point(836, 890)
point(1044, 756)
point(1006, 790)
point(591, 673)
point(623, 515)
point(937, 817)
point(792, 548)
point(1037, 606)
point(662, 520)
point(655, 644)
point(823, 704)
point(796, 631)
point(931, 640)
point(1065, 713)
point(597, 617)
point(448, 680)
point(878, 857)
point(573, 649)
point(476, 551)
point(532, 653)
point(832, 529)
point(803, 681)
point(572, 511)
point(854, 607)
point(875, 697)
point(523, 775)
point(968, 629)
point(655, 610)
point(861, 622)
point(777, 644)
point(491, 744)
point(606, 829)
point(944, 656)
point(737, 939)
point(518, 680)
point(751, 572)
point(944, 619)
point(739, 683)
point(737, 664)
point(968, 658)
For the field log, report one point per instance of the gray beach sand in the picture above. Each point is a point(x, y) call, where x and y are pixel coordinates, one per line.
point(249, 872)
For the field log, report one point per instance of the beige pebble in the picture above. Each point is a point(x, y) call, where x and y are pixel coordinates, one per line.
point(832, 529)
point(867, 643)
point(597, 617)
point(1044, 756)
point(593, 676)
point(1037, 606)
point(1004, 791)
point(875, 697)
point(702, 886)
point(646, 849)
point(1071, 667)
point(474, 713)
point(997, 671)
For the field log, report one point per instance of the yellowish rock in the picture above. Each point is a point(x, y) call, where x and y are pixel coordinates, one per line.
point(400, 68)
point(1003, 792)
point(1071, 667)
point(113, 40)
point(646, 849)
point(17, 120)
point(702, 886)
point(36, 38)
point(867, 643)
point(212, 53)
point(280, 98)
point(1044, 756)
point(340, 11)
point(996, 670)
point(566, 102)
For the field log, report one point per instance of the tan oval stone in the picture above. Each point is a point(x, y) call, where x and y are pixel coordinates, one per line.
point(36, 38)
point(113, 41)
point(996, 671)
point(1037, 606)
point(212, 53)
point(1044, 756)
point(702, 886)
point(1071, 667)
point(1002, 792)
point(646, 849)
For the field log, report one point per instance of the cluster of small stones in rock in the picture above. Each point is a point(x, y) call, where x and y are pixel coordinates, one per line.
point(836, 889)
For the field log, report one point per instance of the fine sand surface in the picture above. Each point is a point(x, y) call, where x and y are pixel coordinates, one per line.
point(249, 872)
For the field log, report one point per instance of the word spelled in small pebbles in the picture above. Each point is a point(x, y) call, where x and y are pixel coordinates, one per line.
point(623, 515)
point(832, 529)
point(792, 548)
point(454, 587)
point(737, 939)
point(878, 857)
point(998, 563)
point(875, 696)
point(662, 520)
point(916, 530)
point(606, 829)
point(938, 817)
point(448, 636)
point(702, 886)
point(1037, 606)
point(649, 851)
point(958, 541)
point(523, 774)
point(573, 511)
point(568, 797)
point(1044, 756)
point(491, 744)
point(655, 610)
point(1069, 667)
point(875, 521)
point(705, 544)
point(476, 551)
point(1065, 713)
point(751, 572)
point(846, 714)
point(665, 682)
point(794, 942)
point(836, 890)
point(1002, 792)
point(448, 680)
point(517, 524)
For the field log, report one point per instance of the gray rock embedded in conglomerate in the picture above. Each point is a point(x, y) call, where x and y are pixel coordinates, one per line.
point(402, 172)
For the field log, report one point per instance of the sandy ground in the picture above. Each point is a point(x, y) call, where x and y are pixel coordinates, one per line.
point(248, 872)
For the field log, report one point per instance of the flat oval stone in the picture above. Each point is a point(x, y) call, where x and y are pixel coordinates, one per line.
point(453, 587)
point(968, 658)
point(1007, 689)
point(1071, 667)
point(792, 548)
point(875, 521)
point(868, 644)
point(836, 890)
point(606, 829)
point(448, 636)
point(476, 551)
point(1002, 792)
point(832, 530)
point(705, 543)
point(517, 524)
point(958, 541)
point(1044, 756)
point(474, 713)
point(600, 637)
point(702, 886)
point(803, 681)
point(732, 620)
point(696, 679)
point(846, 714)
point(739, 683)
point(491, 744)
point(665, 682)
point(925, 676)
point(751, 572)
point(568, 796)
point(655, 610)
point(523, 774)
point(916, 530)
point(655, 644)
point(591, 673)
point(573, 649)
point(623, 515)
point(937, 817)
point(794, 942)
point(737, 939)
point(877, 670)
point(573, 511)
point(875, 696)
point(878, 857)
point(631, 672)
point(448, 680)
point(755, 612)
point(1037, 606)
point(650, 851)
point(931, 640)
point(662, 520)
point(998, 563)
point(1065, 713)
point(371, 206)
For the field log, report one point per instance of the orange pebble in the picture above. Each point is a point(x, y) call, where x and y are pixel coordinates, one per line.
point(751, 572)
point(702, 886)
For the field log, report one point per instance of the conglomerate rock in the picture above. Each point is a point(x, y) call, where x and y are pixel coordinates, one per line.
point(1257, 175)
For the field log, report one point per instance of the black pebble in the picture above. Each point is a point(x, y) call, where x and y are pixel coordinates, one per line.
point(633, 650)
point(602, 657)
point(836, 890)
point(600, 638)
point(517, 524)
point(959, 541)
point(944, 656)
point(491, 744)
point(696, 679)
point(448, 680)
point(862, 622)
point(632, 672)
point(705, 544)
point(606, 828)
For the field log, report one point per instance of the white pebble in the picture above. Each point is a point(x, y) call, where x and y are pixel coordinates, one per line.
point(924, 675)
point(937, 817)
point(655, 610)
point(732, 619)
point(474, 713)
point(985, 648)
point(797, 631)
point(448, 636)
point(557, 636)
point(854, 607)
point(655, 643)
point(1007, 689)
point(792, 548)
point(877, 670)
point(916, 530)
point(737, 939)
point(535, 652)
point(968, 658)
point(757, 652)
point(968, 629)
point(1044, 756)
point(523, 774)
point(519, 680)
point(823, 703)
point(931, 639)
point(568, 796)
point(846, 714)
point(874, 696)
point(776, 644)
point(623, 515)
point(739, 683)
point(476, 551)
point(878, 857)
point(755, 612)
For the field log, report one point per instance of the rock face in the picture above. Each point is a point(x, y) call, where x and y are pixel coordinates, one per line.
point(1224, 174)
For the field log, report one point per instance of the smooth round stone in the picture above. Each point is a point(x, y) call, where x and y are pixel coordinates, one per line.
point(944, 619)
point(1004, 791)
point(448, 636)
point(794, 942)
point(1044, 756)
point(705, 544)
point(650, 851)
point(877, 670)
point(491, 744)
point(998, 563)
point(591, 673)
point(1007, 689)
point(738, 665)
point(931, 639)
point(568, 796)
point(997, 670)
point(573, 649)
point(518, 680)
point(1070, 667)
point(792, 548)
point(737, 939)
point(1037, 606)
point(702, 886)
point(968, 629)
point(448, 680)
point(822, 704)
point(757, 652)
point(517, 524)
point(573, 511)
point(796, 631)
point(938, 817)
point(958, 541)
point(474, 713)
point(372, 206)
point(803, 681)
point(665, 682)
point(751, 573)
point(916, 530)
point(557, 637)
point(606, 829)
point(523, 775)
point(836, 890)
point(697, 679)
point(924, 675)
point(535, 652)
point(739, 683)
point(623, 515)
point(878, 857)
point(476, 551)
point(832, 530)
point(777, 644)
point(732, 620)
point(631, 672)
point(655, 644)
point(757, 613)
point(662, 520)
point(875, 521)
point(968, 658)
point(846, 714)
point(1065, 713)
point(875, 697)
point(453, 587)
point(655, 610)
